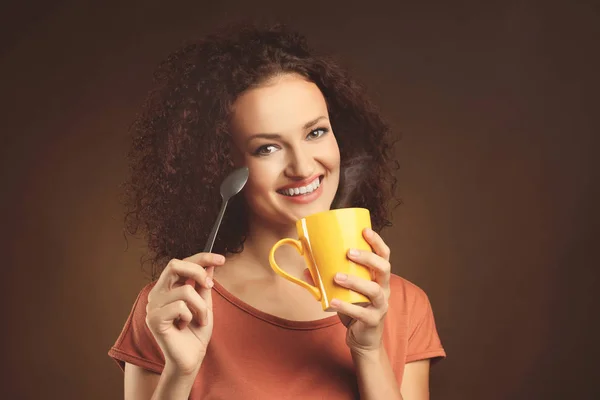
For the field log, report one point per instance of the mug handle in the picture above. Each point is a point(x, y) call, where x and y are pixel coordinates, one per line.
point(298, 246)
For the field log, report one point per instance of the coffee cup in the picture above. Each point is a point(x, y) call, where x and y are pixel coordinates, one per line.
point(324, 240)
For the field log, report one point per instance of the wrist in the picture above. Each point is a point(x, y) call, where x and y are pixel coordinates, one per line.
point(174, 383)
point(175, 372)
point(367, 355)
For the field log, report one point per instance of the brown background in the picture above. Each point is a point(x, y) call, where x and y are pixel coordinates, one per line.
point(497, 103)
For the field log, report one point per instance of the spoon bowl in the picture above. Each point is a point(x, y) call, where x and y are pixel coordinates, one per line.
point(234, 183)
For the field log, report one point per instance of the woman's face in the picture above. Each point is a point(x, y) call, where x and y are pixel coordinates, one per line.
point(282, 133)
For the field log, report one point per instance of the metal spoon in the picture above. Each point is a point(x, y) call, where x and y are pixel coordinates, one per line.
point(232, 185)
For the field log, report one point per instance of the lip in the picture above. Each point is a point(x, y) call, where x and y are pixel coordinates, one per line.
point(301, 183)
point(305, 198)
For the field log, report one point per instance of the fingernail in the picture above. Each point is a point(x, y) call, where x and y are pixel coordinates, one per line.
point(369, 231)
point(209, 282)
point(353, 252)
point(335, 302)
point(219, 259)
point(341, 277)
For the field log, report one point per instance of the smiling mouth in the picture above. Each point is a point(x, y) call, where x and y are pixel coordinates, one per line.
point(302, 190)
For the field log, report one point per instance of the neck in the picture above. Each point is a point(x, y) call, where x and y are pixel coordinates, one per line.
point(261, 238)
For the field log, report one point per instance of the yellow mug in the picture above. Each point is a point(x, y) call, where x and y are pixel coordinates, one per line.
point(324, 241)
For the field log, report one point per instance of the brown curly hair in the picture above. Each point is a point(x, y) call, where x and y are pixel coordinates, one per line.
point(181, 141)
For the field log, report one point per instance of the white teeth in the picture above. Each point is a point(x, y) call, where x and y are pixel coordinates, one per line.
point(302, 190)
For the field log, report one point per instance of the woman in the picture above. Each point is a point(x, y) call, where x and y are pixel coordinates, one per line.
point(261, 98)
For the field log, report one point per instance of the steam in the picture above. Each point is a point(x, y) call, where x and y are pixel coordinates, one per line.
point(353, 173)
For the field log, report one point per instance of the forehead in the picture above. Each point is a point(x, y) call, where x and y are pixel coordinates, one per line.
point(283, 104)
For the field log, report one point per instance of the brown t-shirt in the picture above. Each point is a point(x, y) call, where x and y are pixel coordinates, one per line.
point(254, 355)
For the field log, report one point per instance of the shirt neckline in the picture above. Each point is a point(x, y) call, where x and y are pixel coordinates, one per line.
point(272, 319)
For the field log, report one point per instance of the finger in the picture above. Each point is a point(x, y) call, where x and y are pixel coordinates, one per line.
point(178, 269)
point(162, 318)
point(371, 289)
point(220, 260)
point(194, 301)
point(375, 262)
point(175, 271)
point(377, 243)
point(206, 294)
point(346, 320)
point(206, 259)
point(210, 271)
point(369, 316)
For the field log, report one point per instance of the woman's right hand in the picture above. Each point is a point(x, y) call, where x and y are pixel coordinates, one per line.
point(180, 316)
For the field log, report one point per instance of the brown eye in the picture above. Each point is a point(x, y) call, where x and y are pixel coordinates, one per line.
point(317, 133)
point(265, 150)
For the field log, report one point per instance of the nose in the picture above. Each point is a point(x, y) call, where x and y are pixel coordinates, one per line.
point(300, 164)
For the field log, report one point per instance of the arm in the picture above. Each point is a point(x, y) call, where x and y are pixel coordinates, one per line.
point(179, 317)
point(415, 380)
point(141, 384)
point(376, 378)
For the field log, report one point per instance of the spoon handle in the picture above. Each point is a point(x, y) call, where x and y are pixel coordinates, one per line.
point(213, 234)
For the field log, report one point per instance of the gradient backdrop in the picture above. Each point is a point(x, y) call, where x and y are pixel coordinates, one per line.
point(497, 103)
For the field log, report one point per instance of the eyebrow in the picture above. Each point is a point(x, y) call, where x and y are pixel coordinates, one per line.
point(278, 136)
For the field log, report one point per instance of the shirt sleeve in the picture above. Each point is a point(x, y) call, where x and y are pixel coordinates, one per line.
point(423, 340)
point(136, 344)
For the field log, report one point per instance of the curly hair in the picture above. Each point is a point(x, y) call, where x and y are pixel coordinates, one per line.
point(181, 141)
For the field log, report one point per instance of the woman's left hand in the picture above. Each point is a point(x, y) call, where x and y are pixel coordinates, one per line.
point(365, 324)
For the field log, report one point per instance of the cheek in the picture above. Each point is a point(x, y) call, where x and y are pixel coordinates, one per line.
point(254, 191)
point(332, 153)
point(261, 177)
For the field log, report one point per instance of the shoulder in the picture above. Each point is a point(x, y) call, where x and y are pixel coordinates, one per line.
point(136, 344)
point(146, 290)
point(407, 300)
point(411, 321)
point(142, 299)
point(405, 294)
